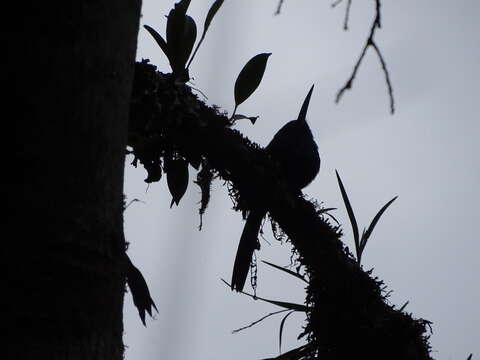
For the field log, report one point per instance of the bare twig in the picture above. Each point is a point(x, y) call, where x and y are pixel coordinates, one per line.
point(347, 15)
point(279, 7)
point(334, 4)
point(347, 11)
point(387, 77)
point(370, 42)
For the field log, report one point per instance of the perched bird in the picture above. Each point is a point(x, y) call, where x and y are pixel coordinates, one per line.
point(294, 148)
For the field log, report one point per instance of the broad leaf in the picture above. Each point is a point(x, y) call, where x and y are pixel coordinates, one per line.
point(159, 39)
point(177, 178)
point(249, 78)
point(181, 29)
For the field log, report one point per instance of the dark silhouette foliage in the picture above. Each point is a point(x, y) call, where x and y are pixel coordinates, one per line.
point(348, 310)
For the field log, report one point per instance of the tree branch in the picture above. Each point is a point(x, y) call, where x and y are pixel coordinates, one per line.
point(376, 24)
point(349, 314)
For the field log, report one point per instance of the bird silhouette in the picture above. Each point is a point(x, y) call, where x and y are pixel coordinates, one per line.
point(294, 148)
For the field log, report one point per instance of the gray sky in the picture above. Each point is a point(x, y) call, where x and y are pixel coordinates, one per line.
point(425, 247)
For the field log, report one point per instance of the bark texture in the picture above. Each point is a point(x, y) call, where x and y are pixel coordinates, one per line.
point(68, 77)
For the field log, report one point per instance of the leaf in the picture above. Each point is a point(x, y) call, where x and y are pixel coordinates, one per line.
point(282, 323)
point(211, 13)
point(286, 270)
point(351, 215)
point(181, 35)
point(208, 20)
point(189, 37)
point(176, 22)
point(321, 211)
point(139, 289)
point(469, 357)
point(160, 41)
point(249, 78)
point(286, 305)
point(177, 178)
point(241, 117)
point(374, 223)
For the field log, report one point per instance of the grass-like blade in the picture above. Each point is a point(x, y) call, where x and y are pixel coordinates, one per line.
point(284, 304)
point(286, 270)
point(374, 223)
point(280, 332)
point(351, 215)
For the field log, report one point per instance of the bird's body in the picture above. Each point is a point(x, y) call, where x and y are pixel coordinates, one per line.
point(294, 148)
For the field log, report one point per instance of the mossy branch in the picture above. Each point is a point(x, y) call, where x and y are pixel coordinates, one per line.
point(349, 315)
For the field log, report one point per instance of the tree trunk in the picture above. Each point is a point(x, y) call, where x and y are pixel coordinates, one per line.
point(68, 77)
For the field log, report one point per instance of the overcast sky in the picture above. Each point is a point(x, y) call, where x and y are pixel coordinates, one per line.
point(426, 246)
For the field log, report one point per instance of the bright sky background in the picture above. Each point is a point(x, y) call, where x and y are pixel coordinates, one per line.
point(426, 246)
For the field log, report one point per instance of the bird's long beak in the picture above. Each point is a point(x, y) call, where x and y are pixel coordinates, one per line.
point(303, 111)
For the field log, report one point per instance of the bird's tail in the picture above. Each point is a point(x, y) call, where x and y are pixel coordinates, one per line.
point(248, 243)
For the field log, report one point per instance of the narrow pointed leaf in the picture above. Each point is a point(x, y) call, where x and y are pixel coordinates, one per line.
point(250, 77)
point(377, 217)
point(302, 115)
point(280, 332)
point(470, 357)
point(286, 305)
point(351, 215)
point(208, 20)
point(177, 178)
point(241, 117)
point(321, 211)
point(363, 240)
point(290, 272)
point(139, 290)
point(211, 14)
point(159, 39)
